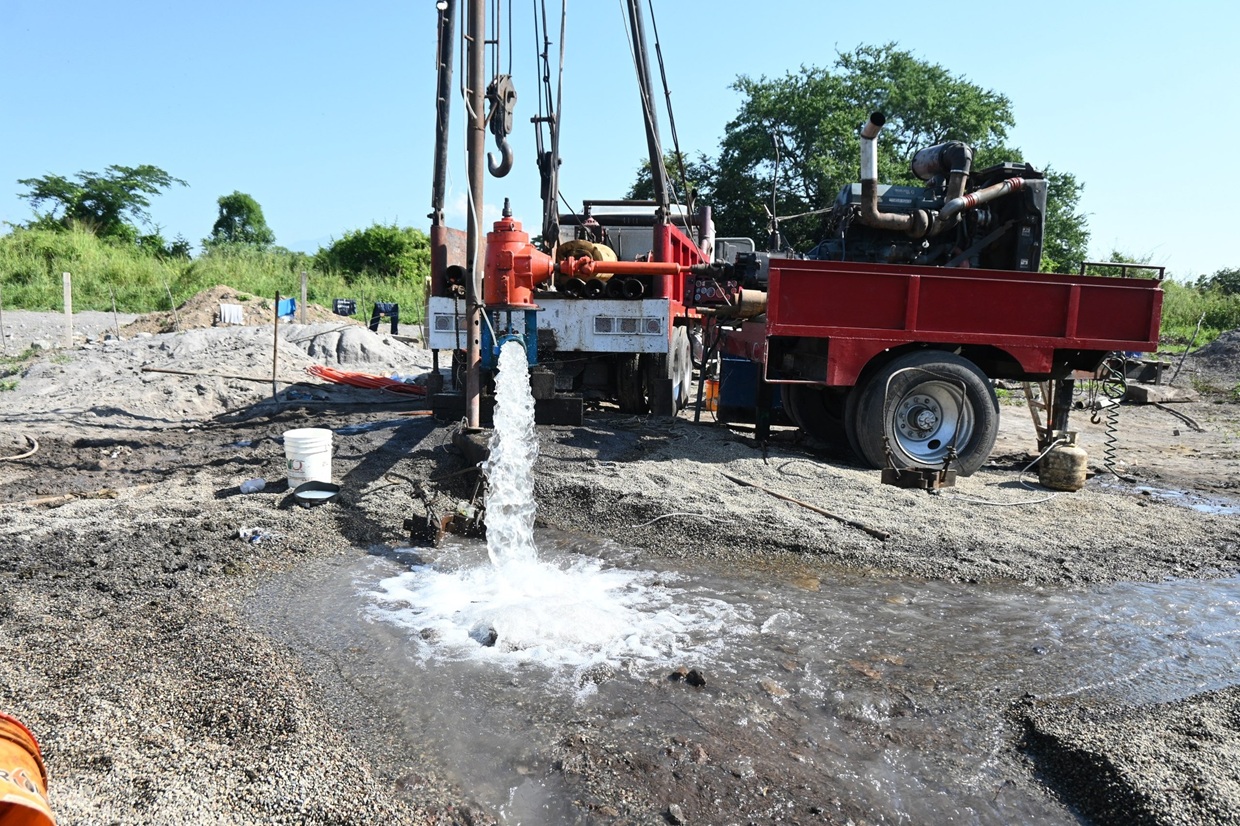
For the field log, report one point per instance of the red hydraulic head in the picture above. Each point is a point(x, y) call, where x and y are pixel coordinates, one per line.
point(512, 266)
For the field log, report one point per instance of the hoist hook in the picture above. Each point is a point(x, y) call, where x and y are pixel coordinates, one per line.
point(503, 99)
point(505, 165)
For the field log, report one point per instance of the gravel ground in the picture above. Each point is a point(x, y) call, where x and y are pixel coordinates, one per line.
point(125, 580)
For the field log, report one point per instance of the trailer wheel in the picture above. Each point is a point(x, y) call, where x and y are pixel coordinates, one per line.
point(816, 410)
point(630, 388)
point(922, 404)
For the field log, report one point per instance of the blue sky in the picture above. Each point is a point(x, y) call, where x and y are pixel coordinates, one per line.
point(323, 111)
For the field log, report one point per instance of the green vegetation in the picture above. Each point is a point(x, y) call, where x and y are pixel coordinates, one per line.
point(809, 120)
point(1184, 306)
point(110, 205)
point(386, 250)
point(240, 221)
point(10, 366)
point(32, 260)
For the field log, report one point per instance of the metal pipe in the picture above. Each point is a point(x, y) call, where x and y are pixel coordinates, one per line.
point(475, 153)
point(443, 107)
point(658, 173)
point(632, 288)
point(915, 224)
point(975, 199)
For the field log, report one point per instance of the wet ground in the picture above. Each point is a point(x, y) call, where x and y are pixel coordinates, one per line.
point(878, 700)
point(941, 674)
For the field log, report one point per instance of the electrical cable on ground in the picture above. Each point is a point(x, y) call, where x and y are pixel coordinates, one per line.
point(34, 448)
point(1188, 420)
point(979, 501)
point(670, 515)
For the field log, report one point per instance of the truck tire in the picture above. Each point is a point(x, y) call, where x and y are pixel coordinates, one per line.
point(915, 403)
point(817, 411)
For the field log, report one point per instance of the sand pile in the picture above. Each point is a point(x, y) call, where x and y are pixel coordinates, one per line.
point(203, 310)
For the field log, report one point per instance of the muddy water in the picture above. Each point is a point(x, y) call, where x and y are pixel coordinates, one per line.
point(886, 694)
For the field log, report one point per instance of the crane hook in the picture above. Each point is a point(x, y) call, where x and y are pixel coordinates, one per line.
point(502, 96)
point(505, 165)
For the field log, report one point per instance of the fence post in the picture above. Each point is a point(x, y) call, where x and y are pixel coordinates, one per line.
point(303, 296)
point(68, 282)
point(4, 340)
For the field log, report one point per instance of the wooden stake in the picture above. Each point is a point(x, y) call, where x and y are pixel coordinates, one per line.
point(68, 283)
point(874, 532)
point(303, 296)
point(115, 320)
point(275, 347)
point(176, 319)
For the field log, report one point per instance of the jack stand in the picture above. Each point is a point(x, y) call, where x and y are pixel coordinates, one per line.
point(922, 478)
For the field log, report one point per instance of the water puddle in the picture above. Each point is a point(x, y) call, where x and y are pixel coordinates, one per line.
point(544, 671)
point(889, 693)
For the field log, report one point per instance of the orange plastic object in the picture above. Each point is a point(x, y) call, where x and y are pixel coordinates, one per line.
point(23, 779)
point(512, 267)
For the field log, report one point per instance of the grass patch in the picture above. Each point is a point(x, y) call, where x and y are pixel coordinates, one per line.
point(31, 263)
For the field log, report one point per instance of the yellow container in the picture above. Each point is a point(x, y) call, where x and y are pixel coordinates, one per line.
point(23, 779)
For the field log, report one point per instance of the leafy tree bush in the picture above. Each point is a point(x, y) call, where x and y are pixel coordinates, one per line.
point(240, 221)
point(380, 250)
point(810, 119)
point(1225, 281)
point(111, 204)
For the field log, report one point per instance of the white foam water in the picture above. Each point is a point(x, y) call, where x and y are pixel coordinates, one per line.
point(510, 466)
point(571, 614)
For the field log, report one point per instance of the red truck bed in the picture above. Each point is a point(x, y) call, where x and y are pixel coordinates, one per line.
point(1036, 318)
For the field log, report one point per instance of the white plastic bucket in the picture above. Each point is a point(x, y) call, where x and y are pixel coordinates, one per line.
point(308, 454)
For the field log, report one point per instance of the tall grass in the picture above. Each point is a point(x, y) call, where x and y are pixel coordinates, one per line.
point(1184, 307)
point(31, 263)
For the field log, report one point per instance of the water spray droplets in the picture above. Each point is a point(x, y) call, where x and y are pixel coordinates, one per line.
point(510, 504)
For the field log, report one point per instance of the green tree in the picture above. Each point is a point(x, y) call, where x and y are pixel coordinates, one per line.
point(808, 120)
point(383, 250)
point(240, 221)
point(1225, 281)
point(1065, 230)
point(699, 172)
point(111, 205)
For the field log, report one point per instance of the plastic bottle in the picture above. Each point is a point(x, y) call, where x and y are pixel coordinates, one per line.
point(253, 485)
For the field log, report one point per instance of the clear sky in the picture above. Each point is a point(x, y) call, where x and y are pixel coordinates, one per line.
point(324, 110)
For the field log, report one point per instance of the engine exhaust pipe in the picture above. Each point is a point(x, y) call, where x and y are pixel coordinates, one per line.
point(975, 199)
point(915, 224)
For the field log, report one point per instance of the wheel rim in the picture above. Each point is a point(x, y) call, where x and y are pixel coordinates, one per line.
point(928, 420)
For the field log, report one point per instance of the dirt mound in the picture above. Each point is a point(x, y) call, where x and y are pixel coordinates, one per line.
point(1222, 353)
point(1216, 367)
point(203, 310)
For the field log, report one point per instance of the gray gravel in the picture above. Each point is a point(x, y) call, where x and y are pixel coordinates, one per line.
point(123, 585)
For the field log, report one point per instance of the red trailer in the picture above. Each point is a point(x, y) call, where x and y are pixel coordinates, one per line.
point(897, 359)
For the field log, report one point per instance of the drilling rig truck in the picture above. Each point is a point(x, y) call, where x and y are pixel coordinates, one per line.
point(886, 337)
